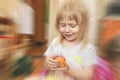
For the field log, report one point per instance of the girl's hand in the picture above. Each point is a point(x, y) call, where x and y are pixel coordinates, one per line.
point(62, 65)
point(51, 63)
point(65, 68)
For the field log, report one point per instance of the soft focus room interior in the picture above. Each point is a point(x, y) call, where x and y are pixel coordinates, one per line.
point(27, 28)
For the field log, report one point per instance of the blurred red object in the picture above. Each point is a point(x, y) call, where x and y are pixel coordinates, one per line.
point(111, 28)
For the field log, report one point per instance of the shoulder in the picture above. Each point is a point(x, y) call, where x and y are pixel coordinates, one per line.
point(54, 42)
point(90, 49)
point(90, 46)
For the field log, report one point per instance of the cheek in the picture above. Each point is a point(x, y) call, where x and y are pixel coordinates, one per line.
point(76, 30)
point(61, 29)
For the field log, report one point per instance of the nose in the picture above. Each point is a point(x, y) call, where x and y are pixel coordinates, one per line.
point(67, 29)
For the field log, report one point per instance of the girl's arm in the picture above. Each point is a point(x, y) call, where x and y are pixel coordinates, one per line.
point(80, 74)
point(45, 64)
point(48, 53)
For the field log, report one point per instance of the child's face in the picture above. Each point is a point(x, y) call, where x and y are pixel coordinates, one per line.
point(69, 29)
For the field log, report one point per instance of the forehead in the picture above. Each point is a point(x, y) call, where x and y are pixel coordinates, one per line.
point(68, 21)
point(68, 16)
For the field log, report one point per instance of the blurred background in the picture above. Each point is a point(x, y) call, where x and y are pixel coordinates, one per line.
point(27, 28)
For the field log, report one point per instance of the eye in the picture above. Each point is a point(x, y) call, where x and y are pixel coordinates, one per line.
point(72, 25)
point(62, 24)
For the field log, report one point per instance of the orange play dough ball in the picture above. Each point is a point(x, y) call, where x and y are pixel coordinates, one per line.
point(60, 60)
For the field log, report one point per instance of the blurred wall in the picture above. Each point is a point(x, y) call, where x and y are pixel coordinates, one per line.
point(101, 9)
point(7, 8)
point(54, 5)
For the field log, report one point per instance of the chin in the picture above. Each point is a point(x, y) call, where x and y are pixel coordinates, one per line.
point(70, 40)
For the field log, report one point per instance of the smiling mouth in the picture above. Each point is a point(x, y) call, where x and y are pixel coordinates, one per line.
point(68, 35)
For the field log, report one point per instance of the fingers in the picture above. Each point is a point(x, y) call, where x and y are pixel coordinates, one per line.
point(51, 63)
point(54, 65)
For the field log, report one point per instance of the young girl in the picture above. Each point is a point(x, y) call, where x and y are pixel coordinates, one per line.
point(72, 44)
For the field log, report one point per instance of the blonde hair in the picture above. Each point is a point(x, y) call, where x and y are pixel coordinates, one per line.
point(74, 10)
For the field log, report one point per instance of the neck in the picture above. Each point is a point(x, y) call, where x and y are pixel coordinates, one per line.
point(70, 43)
